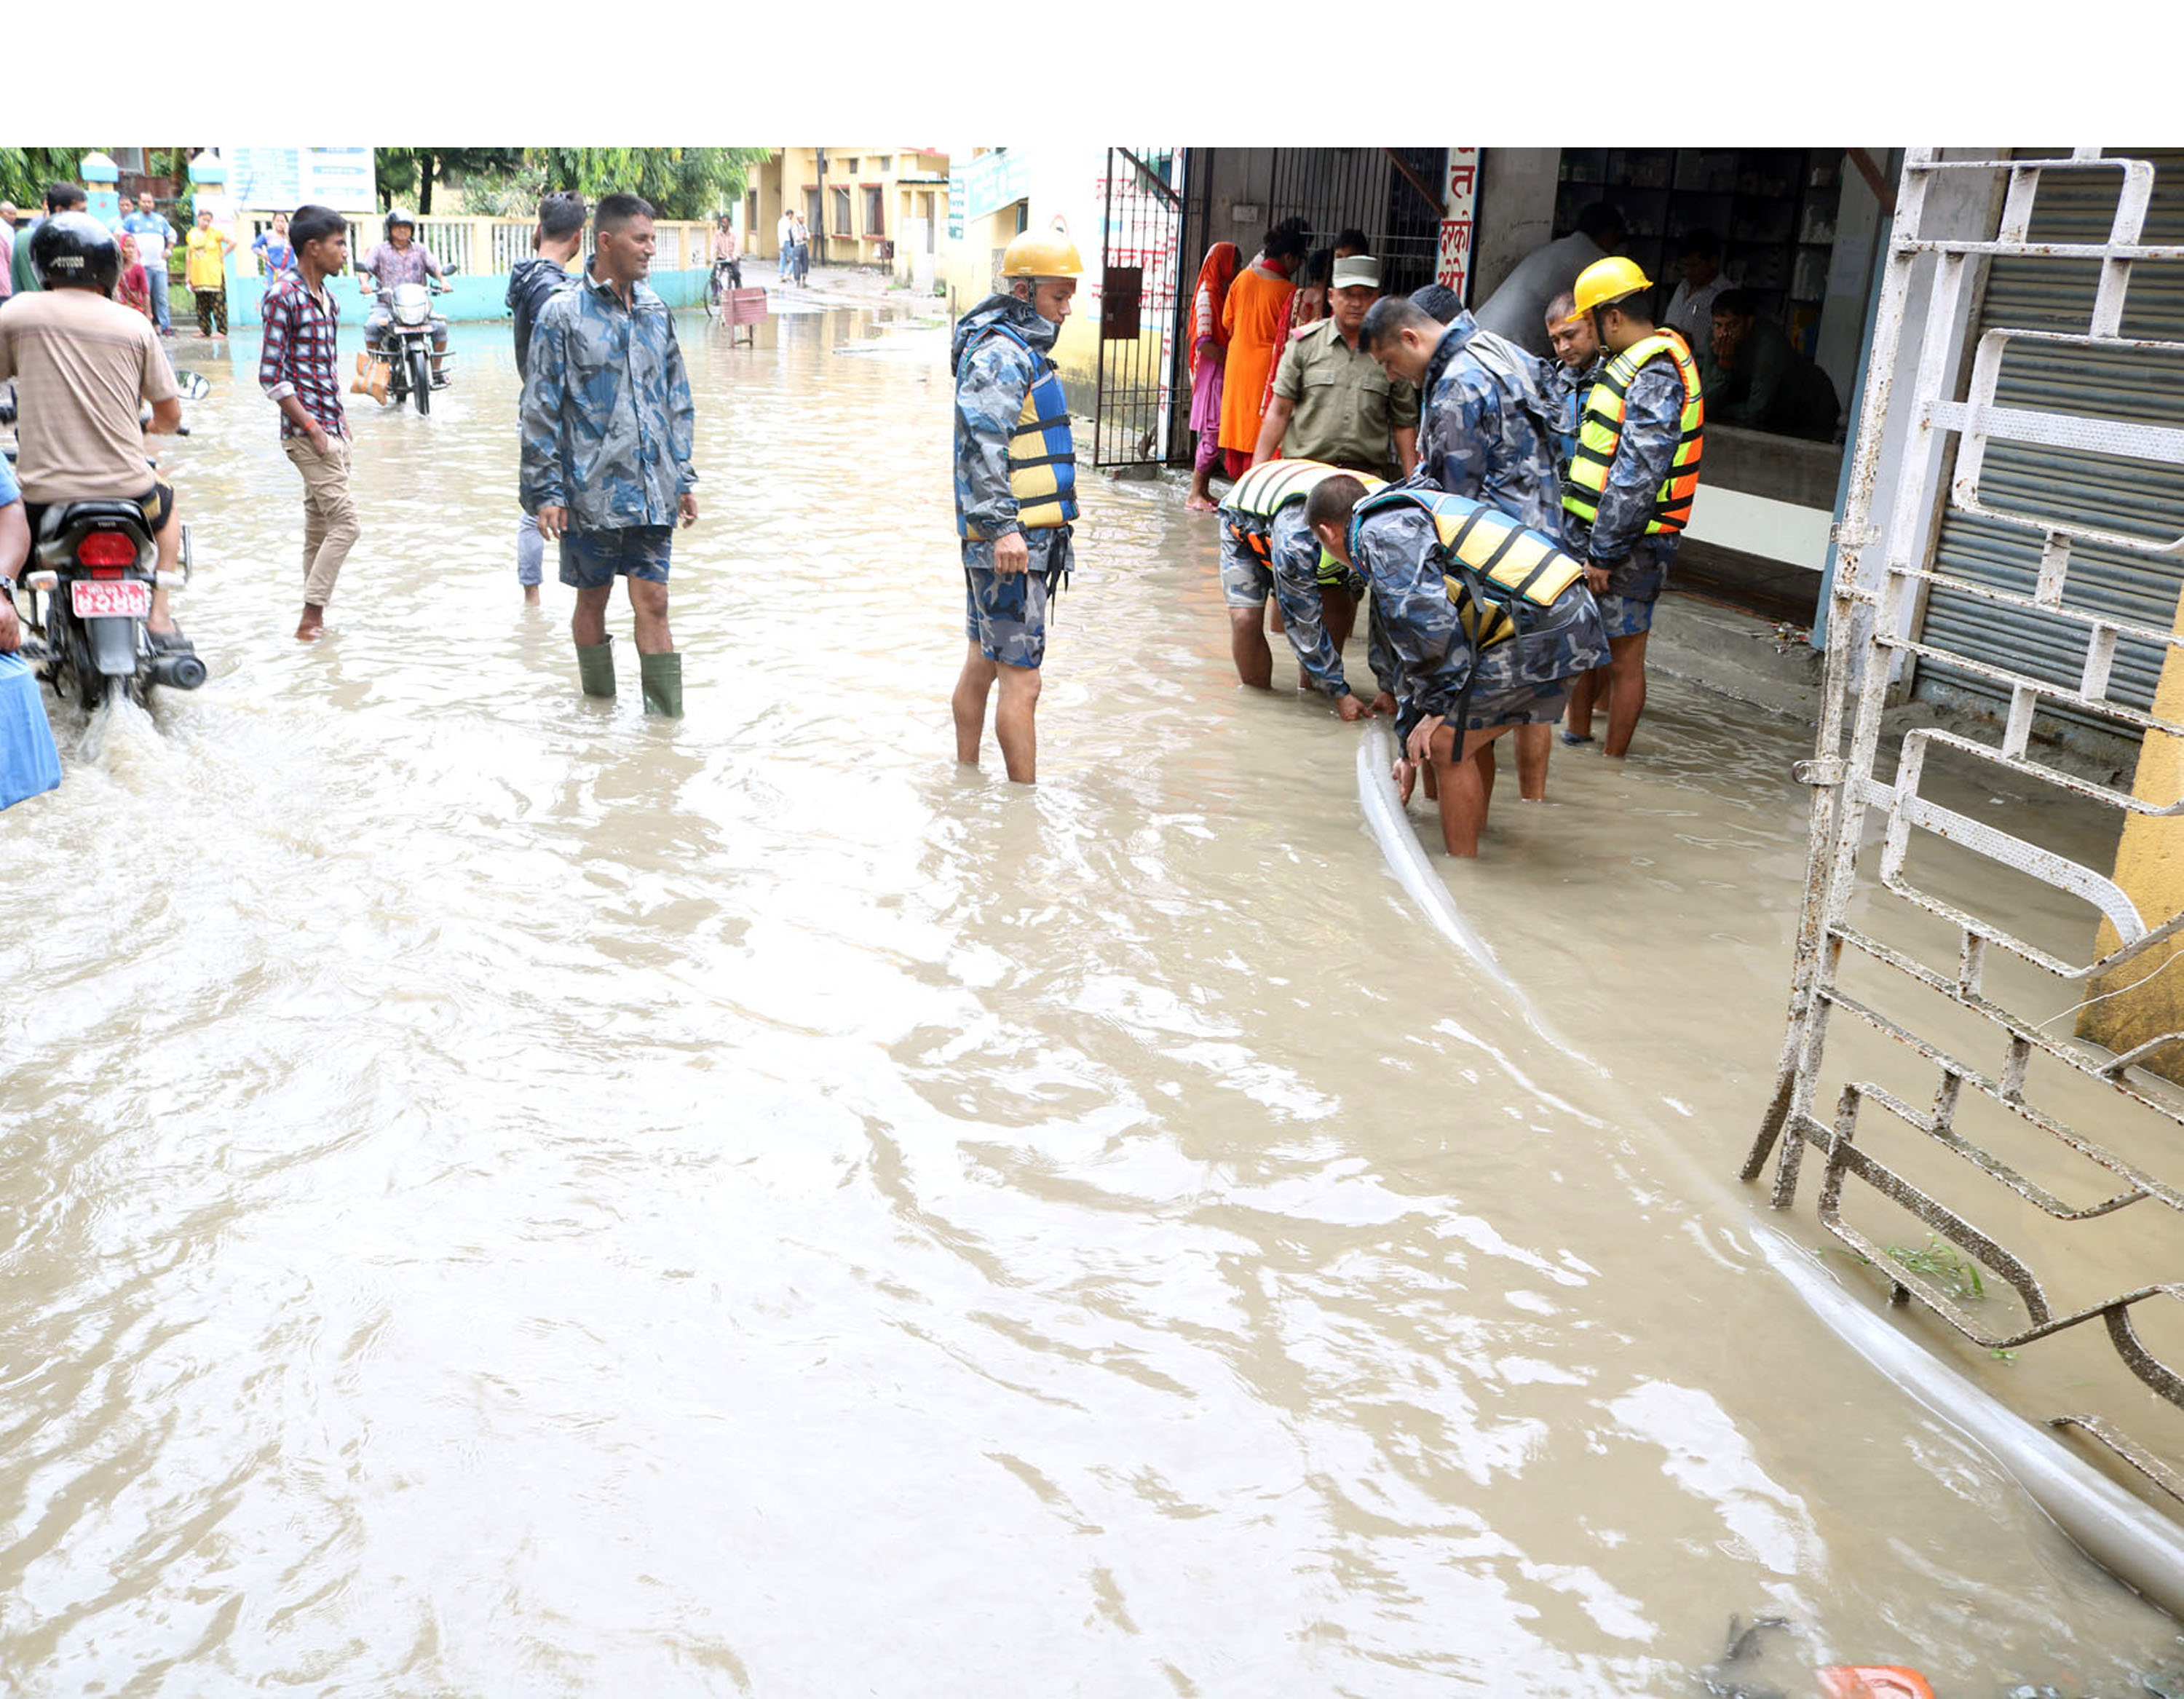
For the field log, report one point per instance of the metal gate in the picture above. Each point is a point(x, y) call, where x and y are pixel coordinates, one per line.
point(1142, 278)
point(2041, 291)
point(2044, 1176)
point(1388, 193)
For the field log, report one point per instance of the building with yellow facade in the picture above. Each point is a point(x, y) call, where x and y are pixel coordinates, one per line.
point(884, 208)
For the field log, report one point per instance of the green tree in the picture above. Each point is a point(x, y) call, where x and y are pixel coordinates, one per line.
point(25, 171)
point(680, 183)
point(408, 174)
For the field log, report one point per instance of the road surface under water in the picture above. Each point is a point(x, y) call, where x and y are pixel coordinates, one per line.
point(504, 1196)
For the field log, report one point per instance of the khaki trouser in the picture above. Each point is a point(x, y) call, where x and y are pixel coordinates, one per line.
point(330, 526)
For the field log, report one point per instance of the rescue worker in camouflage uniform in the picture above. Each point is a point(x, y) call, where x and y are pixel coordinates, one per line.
point(1567, 377)
point(1485, 431)
point(1016, 493)
point(1632, 475)
point(1471, 670)
point(607, 426)
point(1267, 549)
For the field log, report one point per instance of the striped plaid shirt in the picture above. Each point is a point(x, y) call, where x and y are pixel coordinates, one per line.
point(298, 354)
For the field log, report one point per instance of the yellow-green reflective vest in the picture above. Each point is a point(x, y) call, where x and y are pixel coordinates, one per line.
point(1491, 564)
point(1600, 429)
point(1042, 451)
point(1264, 490)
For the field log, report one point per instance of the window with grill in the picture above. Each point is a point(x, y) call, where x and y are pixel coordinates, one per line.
point(842, 213)
point(875, 209)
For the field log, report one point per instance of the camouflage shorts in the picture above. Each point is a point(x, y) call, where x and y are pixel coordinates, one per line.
point(1006, 617)
point(1246, 581)
point(1626, 616)
point(1518, 705)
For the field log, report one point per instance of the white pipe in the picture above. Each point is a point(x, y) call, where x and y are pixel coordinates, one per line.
point(2124, 1536)
point(1406, 860)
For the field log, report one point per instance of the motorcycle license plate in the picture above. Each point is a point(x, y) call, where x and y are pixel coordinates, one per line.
point(102, 599)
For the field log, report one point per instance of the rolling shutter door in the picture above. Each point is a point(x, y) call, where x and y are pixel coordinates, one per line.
point(2134, 497)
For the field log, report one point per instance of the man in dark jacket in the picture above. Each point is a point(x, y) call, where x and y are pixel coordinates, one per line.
point(554, 243)
point(1755, 376)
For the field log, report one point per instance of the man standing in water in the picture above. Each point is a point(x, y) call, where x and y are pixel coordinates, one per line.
point(1016, 493)
point(295, 369)
point(535, 280)
point(1635, 468)
point(607, 436)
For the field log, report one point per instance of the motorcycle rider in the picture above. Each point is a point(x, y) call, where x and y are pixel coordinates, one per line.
point(83, 365)
point(401, 258)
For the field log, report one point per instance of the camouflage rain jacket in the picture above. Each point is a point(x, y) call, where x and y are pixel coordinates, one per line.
point(1486, 432)
point(607, 416)
point(992, 376)
point(1637, 561)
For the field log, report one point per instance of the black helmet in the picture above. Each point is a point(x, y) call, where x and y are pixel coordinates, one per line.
point(73, 250)
point(398, 216)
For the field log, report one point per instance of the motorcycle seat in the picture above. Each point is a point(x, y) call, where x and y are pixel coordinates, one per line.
point(62, 514)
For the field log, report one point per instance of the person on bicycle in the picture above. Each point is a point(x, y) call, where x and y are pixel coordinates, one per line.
point(401, 258)
point(726, 256)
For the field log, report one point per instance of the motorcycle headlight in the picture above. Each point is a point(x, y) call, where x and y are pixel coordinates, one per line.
point(412, 306)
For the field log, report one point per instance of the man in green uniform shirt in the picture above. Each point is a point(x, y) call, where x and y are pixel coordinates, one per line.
point(1335, 405)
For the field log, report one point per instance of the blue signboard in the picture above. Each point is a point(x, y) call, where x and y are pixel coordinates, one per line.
point(284, 177)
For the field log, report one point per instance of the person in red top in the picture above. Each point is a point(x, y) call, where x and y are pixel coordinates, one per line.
point(135, 289)
point(296, 370)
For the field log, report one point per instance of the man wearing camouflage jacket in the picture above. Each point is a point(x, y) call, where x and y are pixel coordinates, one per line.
point(607, 435)
point(1015, 494)
point(1453, 699)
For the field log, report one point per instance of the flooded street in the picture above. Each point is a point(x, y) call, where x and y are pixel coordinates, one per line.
point(504, 1196)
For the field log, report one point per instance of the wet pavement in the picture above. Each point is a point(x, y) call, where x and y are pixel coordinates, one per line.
point(500, 1195)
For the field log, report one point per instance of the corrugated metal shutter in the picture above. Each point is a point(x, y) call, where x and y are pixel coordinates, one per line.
point(2057, 294)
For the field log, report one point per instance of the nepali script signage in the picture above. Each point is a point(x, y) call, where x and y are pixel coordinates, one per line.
point(978, 188)
point(285, 178)
point(1459, 203)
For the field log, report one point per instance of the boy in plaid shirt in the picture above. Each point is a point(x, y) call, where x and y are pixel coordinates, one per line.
point(297, 372)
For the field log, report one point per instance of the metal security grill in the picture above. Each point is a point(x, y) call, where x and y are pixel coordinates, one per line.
point(2038, 290)
point(2035, 1165)
point(1141, 282)
point(1390, 193)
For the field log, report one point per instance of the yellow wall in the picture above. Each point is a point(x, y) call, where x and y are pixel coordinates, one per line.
point(2149, 865)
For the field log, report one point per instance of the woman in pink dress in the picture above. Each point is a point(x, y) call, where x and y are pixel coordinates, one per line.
point(1209, 353)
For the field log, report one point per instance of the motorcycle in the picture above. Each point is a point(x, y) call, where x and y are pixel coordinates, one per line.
point(401, 368)
point(90, 587)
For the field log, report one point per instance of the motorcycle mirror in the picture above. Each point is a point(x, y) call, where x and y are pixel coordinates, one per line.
point(192, 386)
point(449, 269)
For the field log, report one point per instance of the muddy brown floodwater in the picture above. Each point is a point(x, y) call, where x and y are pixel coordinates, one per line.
point(501, 1196)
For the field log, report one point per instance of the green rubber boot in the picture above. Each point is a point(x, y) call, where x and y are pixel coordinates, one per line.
point(595, 667)
point(663, 683)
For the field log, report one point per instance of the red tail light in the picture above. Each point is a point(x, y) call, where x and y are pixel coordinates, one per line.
point(109, 549)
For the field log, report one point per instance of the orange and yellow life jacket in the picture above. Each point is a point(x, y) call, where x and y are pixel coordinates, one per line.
point(1600, 430)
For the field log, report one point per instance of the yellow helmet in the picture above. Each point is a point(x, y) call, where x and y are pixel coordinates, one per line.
point(1041, 253)
point(1607, 281)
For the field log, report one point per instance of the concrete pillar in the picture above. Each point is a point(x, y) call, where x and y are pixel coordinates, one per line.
point(2149, 866)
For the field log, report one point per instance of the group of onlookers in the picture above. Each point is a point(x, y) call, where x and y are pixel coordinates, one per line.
point(147, 241)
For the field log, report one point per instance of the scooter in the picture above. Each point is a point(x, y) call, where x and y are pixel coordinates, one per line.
point(96, 564)
point(401, 368)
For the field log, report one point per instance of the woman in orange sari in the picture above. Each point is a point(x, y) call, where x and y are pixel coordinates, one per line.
point(1257, 306)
